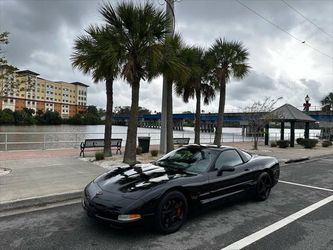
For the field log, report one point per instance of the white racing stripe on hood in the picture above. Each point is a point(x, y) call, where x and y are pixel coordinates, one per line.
point(159, 179)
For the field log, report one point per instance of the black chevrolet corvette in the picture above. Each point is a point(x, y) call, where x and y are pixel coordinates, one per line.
point(168, 188)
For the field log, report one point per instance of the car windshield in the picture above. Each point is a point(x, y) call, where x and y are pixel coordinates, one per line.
point(188, 159)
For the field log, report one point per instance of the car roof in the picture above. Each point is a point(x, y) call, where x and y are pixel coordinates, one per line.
point(210, 146)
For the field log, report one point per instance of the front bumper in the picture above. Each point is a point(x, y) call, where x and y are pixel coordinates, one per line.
point(108, 208)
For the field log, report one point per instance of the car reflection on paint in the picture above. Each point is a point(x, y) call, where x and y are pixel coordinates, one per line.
point(164, 191)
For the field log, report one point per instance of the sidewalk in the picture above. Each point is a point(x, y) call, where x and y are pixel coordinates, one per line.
point(37, 177)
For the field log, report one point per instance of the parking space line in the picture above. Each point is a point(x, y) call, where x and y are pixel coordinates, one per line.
point(276, 226)
point(308, 186)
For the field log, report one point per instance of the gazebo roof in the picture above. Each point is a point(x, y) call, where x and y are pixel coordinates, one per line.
point(289, 113)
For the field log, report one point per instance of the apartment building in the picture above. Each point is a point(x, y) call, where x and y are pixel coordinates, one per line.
point(34, 92)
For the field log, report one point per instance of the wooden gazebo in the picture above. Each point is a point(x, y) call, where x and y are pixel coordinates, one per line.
point(288, 113)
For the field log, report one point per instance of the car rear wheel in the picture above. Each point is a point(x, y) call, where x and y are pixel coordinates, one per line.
point(263, 187)
point(171, 212)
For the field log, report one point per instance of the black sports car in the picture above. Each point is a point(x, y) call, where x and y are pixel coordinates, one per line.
point(167, 189)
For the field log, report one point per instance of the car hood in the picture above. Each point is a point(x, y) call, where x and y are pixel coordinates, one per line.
point(139, 177)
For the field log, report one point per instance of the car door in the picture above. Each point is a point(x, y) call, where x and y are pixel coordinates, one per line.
point(233, 178)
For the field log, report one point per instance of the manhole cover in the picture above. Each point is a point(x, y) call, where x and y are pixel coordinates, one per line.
point(4, 171)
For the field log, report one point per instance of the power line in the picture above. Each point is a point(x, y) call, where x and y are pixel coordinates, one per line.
point(319, 28)
point(283, 30)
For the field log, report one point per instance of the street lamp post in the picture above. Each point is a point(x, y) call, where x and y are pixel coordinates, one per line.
point(306, 107)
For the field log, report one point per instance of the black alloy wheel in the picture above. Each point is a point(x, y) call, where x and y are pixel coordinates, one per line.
point(263, 188)
point(171, 212)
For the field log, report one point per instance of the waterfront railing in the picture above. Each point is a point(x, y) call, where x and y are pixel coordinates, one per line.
point(51, 140)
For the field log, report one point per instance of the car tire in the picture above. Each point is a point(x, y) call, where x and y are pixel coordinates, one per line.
point(263, 187)
point(171, 212)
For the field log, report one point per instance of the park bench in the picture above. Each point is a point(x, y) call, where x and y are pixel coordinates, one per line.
point(99, 143)
point(181, 141)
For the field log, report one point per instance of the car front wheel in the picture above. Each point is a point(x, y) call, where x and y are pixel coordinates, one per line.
point(263, 187)
point(171, 212)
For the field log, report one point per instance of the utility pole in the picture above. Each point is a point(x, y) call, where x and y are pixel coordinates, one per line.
point(167, 88)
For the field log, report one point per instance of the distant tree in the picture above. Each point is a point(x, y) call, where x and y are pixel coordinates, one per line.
point(91, 116)
point(327, 101)
point(51, 118)
point(24, 117)
point(226, 59)
point(259, 115)
point(7, 117)
point(9, 83)
point(76, 119)
point(126, 110)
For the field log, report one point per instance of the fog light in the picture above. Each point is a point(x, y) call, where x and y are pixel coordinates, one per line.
point(129, 217)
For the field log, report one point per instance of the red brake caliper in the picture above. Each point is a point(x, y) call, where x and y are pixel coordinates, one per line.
point(178, 211)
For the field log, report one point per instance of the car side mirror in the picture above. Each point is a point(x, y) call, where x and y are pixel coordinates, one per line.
point(225, 169)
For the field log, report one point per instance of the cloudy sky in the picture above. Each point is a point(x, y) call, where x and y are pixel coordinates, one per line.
point(289, 65)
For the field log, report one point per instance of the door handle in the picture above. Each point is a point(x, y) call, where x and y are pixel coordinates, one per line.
point(246, 169)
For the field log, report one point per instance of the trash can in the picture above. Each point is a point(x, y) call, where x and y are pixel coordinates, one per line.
point(144, 143)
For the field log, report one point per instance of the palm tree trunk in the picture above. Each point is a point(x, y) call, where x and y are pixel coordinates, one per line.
point(108, 117)
point(197, 118)
point(130, 147)
point(169, 118)
point(219, 125)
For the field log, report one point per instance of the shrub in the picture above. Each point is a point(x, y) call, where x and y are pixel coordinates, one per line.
point(154, 152)
point(326, 144)
point(310, 143)
point(283, 143)
point(299, 141)
point(99, 156)
point(138, 150)
point(273, 144)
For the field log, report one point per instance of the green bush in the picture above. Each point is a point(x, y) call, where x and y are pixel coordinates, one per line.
point(154, 152)
point(310, 143)
point(99, 156)
point(138, 150)
point(299, 141)
point(326, 144)
point(283, 143)
point(273, 144)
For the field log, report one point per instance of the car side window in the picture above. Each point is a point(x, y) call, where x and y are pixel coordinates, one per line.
point(228, 158)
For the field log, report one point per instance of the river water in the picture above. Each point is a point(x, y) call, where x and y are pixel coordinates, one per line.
point(64, 136)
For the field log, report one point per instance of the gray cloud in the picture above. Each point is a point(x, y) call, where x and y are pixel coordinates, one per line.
point(42, 35)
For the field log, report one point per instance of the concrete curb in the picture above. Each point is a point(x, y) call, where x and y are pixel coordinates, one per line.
point(297, 160)
point(40, 200)
point(287, 161)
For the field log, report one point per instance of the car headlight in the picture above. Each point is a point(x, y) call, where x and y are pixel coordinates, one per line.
point(129, 217)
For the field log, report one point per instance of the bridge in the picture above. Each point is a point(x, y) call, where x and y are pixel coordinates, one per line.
point(208, 120)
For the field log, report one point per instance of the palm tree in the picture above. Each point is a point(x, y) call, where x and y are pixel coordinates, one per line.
point(94, 53)
point(327, 101)
point(170, 64)
point(226, 59)
point(139, 29)
point(195, 85)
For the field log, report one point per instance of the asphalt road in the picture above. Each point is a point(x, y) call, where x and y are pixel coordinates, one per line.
point(67, 227)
